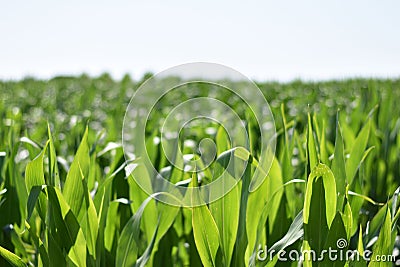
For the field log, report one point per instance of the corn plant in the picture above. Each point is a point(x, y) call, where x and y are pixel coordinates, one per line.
point(68, 196)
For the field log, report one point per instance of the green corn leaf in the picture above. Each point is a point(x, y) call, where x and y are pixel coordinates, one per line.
point(376, 223)
point(77, 255)
point(128, 243)
point(32, 200)
point(89, 222)
point(225, 210)
point(137, 195)
point(205, 230)
point(319, 207)
point(383, 246)
point(366, 198)
point(394, 203)
point(34, 181)
point(323, 145)
point(141, 262)
point(43, 254)
point(222, 141)
point(329, 195)
point(348, 133)
point(30, 142)
point(111, 221)
point(129, 240)
point(265, 214)
point(360, 245)
point(357, 152)
point(311, 145)
point(338, 165)
point(241, 239)
point(257, 201)
point(73, 191)
point(359, 259)
point(294, 233)
point(347, 217)
point(167, 215)
point(336, 240)
point(13, 259)
point(65, 226)
point(55, 254)
point(34, 174)
point(286, 163)
point(19, 246)
point(53, 167)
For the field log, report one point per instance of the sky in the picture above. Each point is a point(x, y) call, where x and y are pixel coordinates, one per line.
point(264, 40)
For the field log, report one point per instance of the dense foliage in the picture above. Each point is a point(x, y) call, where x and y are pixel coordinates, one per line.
point(66, 200)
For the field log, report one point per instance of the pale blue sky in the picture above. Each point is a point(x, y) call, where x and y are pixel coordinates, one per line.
point(264, 40)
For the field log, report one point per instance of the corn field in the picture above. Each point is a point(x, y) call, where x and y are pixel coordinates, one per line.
point(68, 196)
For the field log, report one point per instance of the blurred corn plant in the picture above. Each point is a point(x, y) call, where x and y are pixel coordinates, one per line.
point(72, 200)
